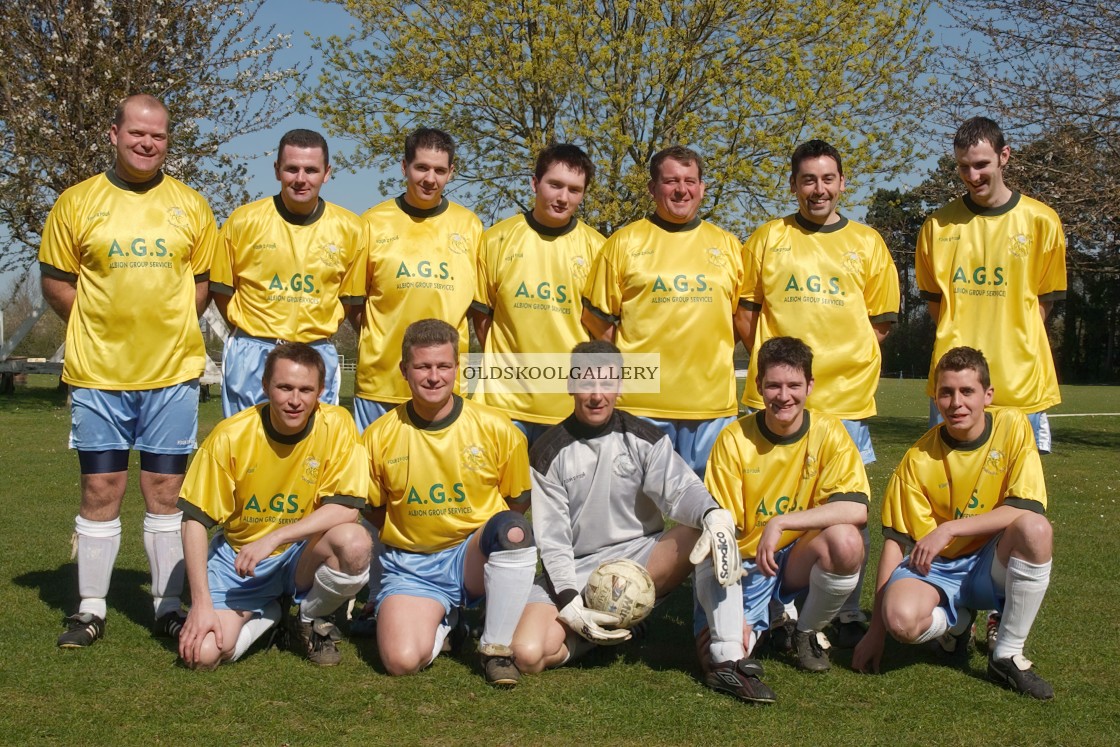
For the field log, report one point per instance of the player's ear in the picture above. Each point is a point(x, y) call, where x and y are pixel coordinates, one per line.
point(1004, 155)
point(533, 183)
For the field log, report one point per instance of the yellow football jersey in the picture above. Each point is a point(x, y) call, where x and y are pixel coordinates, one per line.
point(940, 480)
point(290, 275)
point(824, 285)
point(989, 269)
point(249, 479)
point(441, 481)
point(421, 266)
point(757, 474)
point(136, 252)
point(673, 290)
point(530, 280)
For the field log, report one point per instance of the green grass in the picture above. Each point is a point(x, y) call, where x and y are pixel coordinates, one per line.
point(128, 688)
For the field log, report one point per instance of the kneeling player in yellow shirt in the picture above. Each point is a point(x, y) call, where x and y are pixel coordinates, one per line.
point(967, 503)
point(449, 485)
point(284, 480)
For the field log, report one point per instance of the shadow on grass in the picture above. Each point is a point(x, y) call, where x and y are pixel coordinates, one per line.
point(127, 593)
point(33, 399)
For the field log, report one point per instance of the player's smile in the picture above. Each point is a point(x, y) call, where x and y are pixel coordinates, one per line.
point(784, 391)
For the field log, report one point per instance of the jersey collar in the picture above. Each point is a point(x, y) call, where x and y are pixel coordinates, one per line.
point(812, 227)
point(665, 225)
point(774, 438)
point(283, 438)
point(299, 220)
point(435, 425)
point(972, 445)
point(544, 230)
point(582, 431)
point(116, 181)
point(422, 213)
point(1003, 209)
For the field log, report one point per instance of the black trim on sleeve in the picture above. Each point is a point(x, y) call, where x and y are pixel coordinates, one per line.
point(350, 501)
point(222, 288)
point(481, 308)
point(890, 317)
point(296, 219)
point(564, 598)
point(807, 225)
point(192, 511)
point(520, 500)
point(929, 296)
point(53, 272)
point(750, 305)
point(851, 497)
point(665, 225)
point(1027, 504)
point(202, 277)
point(1052, 297)
point(611, 318)
point(549, 231)
point(421, 213)
point(905, 540)
point(352, 300)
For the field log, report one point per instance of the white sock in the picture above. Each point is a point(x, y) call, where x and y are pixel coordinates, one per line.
point(330, 589)
point(936, 628)
point(508, 578)
point(723, 606)
point(827, 592)
point(97, 546)
point(851, 611)
point(257, 626)
point(163, 542)
point(442, 631)
point(1026, 586)
point(963, 621)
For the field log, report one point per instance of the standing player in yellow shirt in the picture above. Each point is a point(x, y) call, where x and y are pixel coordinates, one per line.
point(532, 268)
point(990, 265)
point(979, 540)
point(125, 260)
point(449, 479)
point(672, 284)
point(830, 282)
point(284, 481)
point(286, 268)
point(421, 265)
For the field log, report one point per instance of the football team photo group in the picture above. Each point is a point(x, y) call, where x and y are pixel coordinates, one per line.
point(522, 526)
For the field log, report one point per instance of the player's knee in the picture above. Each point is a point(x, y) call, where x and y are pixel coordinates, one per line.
point(209, 657)
point(404, 660)
point(903, 625)
point(1033, 536)
point(506, 530)
point(846, 548)
point(529, 654)
point(352, 546)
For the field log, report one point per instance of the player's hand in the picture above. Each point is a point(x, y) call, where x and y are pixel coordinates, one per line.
point(248, 556)
point(928, 548)
point(868, 653)
point(589, 623)
point(766, 556)
point(718, 539)
point(200, 622)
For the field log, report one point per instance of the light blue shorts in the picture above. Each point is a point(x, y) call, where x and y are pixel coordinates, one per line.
point(439, 575)
point(693, 439)
point(962, 582)
point(758, 591)
point(532, 431)
point(366, 411)
point(1040, 424)
point(243, 369)
point(274, 577)
point(158, 421)
point(861, 435)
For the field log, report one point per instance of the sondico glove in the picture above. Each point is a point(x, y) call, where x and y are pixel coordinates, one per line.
point(589, 623)
point(718, 540)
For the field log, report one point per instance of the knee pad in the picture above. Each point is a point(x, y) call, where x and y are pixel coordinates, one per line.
point(163, 464)
point(495, 534)
point(103, 462)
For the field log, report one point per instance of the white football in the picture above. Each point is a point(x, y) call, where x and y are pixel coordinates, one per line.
point(621, 587)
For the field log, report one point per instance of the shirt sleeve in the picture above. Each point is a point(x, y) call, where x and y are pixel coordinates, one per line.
point(353, 289)
point(552, 529)
point(880, 292)
point(514, 482)
point(928, 287)
point(209, 486)
point(377, 493)
point(206, 241)
point(603, 294)
point(221, 268)
point(59, 247)
point(673, 486)
point(1051, 282)
point(346, 474)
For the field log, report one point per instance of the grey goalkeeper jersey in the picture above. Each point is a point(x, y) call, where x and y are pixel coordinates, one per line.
point(594, 488)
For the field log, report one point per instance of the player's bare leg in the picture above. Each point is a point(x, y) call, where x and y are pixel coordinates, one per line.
point(668, 563)
point(333, 567)
point(540, 641)
point(406, 633)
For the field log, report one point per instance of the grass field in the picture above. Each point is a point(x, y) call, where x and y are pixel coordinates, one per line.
point(128, 689)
